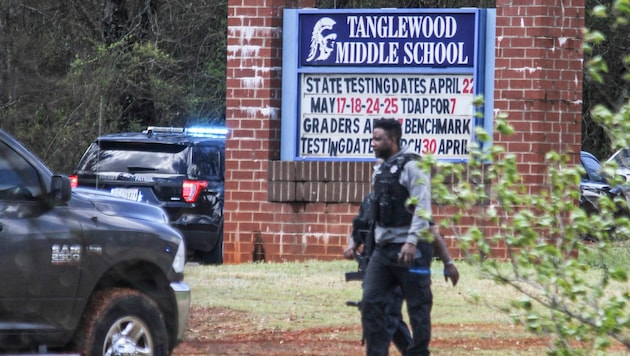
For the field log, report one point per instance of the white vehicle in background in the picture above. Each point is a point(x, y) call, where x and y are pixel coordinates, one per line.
point(622, 159)
point(593, 185)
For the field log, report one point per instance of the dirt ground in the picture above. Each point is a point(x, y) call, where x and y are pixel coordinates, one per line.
point(224, 332)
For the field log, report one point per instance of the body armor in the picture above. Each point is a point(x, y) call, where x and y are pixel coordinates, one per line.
point(390, 208)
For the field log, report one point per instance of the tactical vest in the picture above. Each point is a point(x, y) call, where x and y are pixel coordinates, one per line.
point(390, 195)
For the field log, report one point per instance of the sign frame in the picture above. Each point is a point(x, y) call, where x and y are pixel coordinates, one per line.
point(297, 28)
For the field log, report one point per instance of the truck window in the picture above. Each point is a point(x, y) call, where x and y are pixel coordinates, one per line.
point(18, 179)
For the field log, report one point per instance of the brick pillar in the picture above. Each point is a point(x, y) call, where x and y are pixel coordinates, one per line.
point(254, 63)
point(538, 80)
point(538, 83)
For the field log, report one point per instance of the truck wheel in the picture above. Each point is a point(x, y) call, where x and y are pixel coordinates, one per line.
point(122, 322)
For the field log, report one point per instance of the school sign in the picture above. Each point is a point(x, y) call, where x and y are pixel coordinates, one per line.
point(342, 70)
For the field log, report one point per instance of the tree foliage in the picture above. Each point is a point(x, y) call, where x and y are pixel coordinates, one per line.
point(606, 72)
point(73, 69)
point(582, 306)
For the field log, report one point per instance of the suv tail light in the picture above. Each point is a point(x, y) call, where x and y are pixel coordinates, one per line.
point(74, 181)
point(191, 189)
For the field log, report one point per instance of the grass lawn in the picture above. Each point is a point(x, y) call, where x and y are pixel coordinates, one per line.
point(289, 297)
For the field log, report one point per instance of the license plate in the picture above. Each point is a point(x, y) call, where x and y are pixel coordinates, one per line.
point(127, 193)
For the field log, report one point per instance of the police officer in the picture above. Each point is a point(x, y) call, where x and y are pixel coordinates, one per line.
point(363, 235)
point(403, 254)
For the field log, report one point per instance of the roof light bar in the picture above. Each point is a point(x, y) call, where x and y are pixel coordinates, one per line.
point(214, 132)
point(164, 129)
point(210, 131)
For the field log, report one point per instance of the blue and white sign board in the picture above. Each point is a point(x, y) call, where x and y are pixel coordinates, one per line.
point(342, 69)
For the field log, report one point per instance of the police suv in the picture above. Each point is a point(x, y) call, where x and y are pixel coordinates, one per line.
point(83, 271)
point(178, 169)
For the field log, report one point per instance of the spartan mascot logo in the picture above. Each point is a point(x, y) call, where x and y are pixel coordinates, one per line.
point(322, 46)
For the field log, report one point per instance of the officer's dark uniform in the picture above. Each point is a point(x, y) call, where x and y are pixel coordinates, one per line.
point(363, 234)
point(385, 272)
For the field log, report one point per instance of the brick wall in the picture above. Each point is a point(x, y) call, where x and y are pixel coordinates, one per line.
point(538, 79)
point(297, 211)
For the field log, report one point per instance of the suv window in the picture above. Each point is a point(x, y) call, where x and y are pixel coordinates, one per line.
point(135, 157)
point(208, 161)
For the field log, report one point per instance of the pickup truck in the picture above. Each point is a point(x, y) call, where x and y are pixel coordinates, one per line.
point(82, 271)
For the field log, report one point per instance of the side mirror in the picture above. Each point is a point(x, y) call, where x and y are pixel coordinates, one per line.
point(60, 190)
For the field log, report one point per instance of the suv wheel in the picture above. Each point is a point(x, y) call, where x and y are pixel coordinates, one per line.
point(214, 256)
point(122, 322)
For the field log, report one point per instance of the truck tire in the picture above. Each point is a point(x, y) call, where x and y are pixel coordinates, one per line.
point(122, 321)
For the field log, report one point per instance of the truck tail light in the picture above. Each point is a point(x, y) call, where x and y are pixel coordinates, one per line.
point(191, 189)
point(74, 181)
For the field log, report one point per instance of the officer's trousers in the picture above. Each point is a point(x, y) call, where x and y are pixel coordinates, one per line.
point(384, 273)
point(395, 324)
